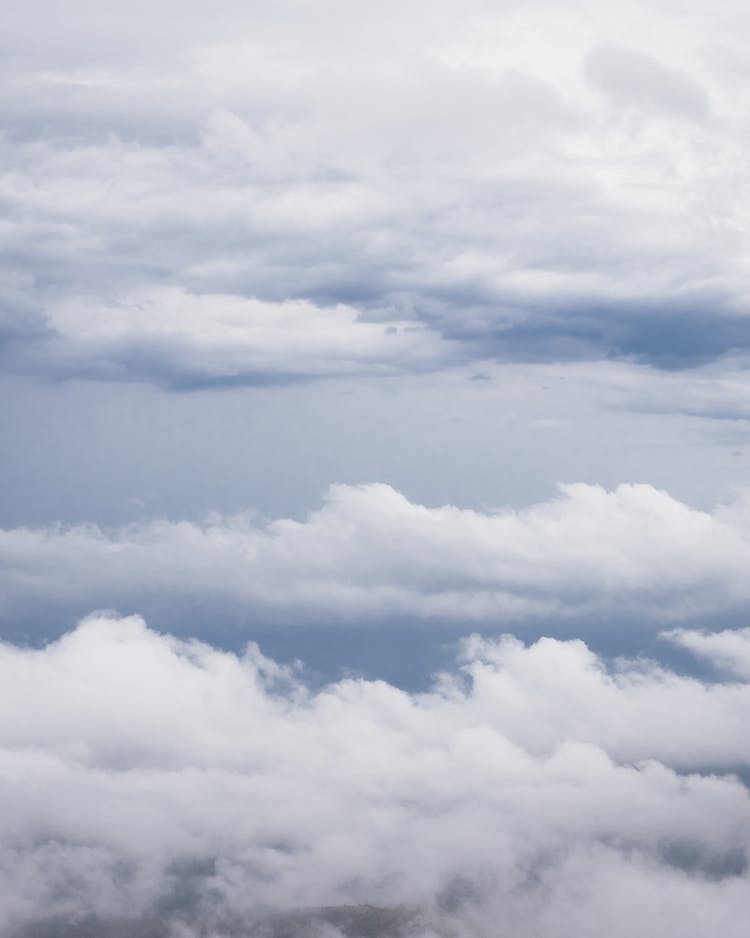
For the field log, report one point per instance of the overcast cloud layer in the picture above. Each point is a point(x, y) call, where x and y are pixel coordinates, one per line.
point(519, 181)
point(532, 792)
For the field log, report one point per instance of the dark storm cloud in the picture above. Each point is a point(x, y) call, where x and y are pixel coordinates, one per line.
point(668, 335)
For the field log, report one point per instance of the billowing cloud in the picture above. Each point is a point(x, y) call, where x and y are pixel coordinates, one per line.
point(532, 182)
point(531, 792)
point(370, 554)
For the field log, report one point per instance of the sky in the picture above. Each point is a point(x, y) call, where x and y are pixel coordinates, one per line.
point(374, 500)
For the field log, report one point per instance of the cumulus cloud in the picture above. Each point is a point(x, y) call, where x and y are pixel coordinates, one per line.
point(530, 181)
point(532, 791)
point(370, 554)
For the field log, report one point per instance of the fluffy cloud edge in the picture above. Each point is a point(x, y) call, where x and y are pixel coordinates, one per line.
point(146, 775)
point(370, 554)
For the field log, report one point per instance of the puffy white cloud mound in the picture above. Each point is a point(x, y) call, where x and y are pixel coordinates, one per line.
point(370, 553)
point(531, 792)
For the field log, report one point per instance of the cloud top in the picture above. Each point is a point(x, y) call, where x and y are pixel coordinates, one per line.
point(370, 554)
point(532, 783)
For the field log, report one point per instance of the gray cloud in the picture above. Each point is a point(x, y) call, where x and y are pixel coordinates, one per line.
point(633, 78)
point(461, 176)
point(141, 772)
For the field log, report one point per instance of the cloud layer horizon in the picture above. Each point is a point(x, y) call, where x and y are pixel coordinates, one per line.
point(144, 773)
point(374, 502)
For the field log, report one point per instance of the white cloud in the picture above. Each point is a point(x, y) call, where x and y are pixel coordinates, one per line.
point(178, 338)
point(727, 650)
point(533, 785)
point(370, 553)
